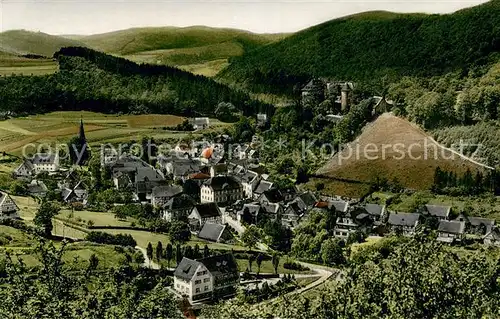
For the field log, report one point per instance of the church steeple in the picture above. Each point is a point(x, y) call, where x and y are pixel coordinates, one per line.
point(83, 140)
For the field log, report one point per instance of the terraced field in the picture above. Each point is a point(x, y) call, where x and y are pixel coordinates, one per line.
point(59, 127)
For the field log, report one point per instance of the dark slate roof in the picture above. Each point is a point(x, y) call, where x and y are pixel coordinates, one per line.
point(273, 195)
point(36, 187)
point(374, 209)
point(186, 268)
point(247, 176)
point(438, 211)
point(340, 205)
point(403, 219)
point(263, 186)
point(42, 158)
point(308, 198)
point(270, 208)
point(220, 264)
point(223, 182)
point(211, 231)
point(149, 174)
point(453, 227)
point(253, 208)
point(166, 191)
point(182, 201)
point(476, 221)
point(207, 210)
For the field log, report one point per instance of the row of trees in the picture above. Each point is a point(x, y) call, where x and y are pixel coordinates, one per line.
point(171, 253)
point(448, 182)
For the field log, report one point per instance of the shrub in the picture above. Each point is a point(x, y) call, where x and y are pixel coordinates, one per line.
point(105, 238)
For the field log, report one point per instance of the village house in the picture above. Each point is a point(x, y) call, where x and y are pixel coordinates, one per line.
point(450, 231)
point(221, 189)
point(134, 173)
point(181, 168)
point(376, 211)
point(262, 187)
point(208, 278)
point(249, 213)
point(215, 233)
point(354, 220)
point(24, 171)
point(200, 123)
point(492, 237)
point(204, 213)
point(218, 170)
point(403, 223)
point(37, 188)
point(43, 162)
point(75, 194)
point(249, 180)
point(271, 196)
point(478, 225)
point(160, 195)
point(438, 211)
point(8, 208)
point(178, 208)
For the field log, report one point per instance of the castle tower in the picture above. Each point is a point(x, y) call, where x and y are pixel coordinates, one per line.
point(345, 97)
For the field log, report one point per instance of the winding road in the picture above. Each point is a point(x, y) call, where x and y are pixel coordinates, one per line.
point(147, 262)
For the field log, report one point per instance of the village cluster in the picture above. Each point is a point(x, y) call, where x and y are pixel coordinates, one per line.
point(220, 195)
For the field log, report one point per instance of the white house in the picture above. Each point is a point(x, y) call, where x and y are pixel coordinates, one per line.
point(43, 162)
point(8, 208)
point(200, 123)
point(207, 278)
point(221, 189)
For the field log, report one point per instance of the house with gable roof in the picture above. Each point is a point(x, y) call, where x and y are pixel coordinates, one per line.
point(204, 213)
point(8, 208)
point(207, 278)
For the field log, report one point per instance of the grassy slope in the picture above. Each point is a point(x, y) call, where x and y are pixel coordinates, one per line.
point(198, 49)
point(368, 45)
point(394, 134)
point(23, 42)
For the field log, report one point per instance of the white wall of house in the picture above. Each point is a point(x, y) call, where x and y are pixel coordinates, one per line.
point(201, 283)
point(208, 195)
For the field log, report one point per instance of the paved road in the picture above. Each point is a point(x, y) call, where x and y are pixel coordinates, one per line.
point(147, 263)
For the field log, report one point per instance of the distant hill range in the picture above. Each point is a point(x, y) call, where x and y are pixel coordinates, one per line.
point(367, 46)
point(194, 48)
point(22, 42)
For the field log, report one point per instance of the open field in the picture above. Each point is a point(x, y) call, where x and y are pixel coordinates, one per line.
point(394, 149)
point(60, 127)
point(98, 218)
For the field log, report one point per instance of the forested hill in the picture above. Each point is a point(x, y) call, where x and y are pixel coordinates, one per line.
point(367, 46)
point(94, 81)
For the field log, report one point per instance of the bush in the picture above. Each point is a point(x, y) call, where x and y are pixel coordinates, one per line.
point(291, 265)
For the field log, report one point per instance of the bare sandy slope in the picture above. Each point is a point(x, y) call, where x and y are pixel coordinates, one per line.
point(393, 148)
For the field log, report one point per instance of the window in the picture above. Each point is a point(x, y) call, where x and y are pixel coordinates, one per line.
point(206, 280)
point(197, 282)
point(206, 288)
point(197, 290)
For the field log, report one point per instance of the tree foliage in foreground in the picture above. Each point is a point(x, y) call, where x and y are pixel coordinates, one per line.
point(418, 279)
point(56, 291)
